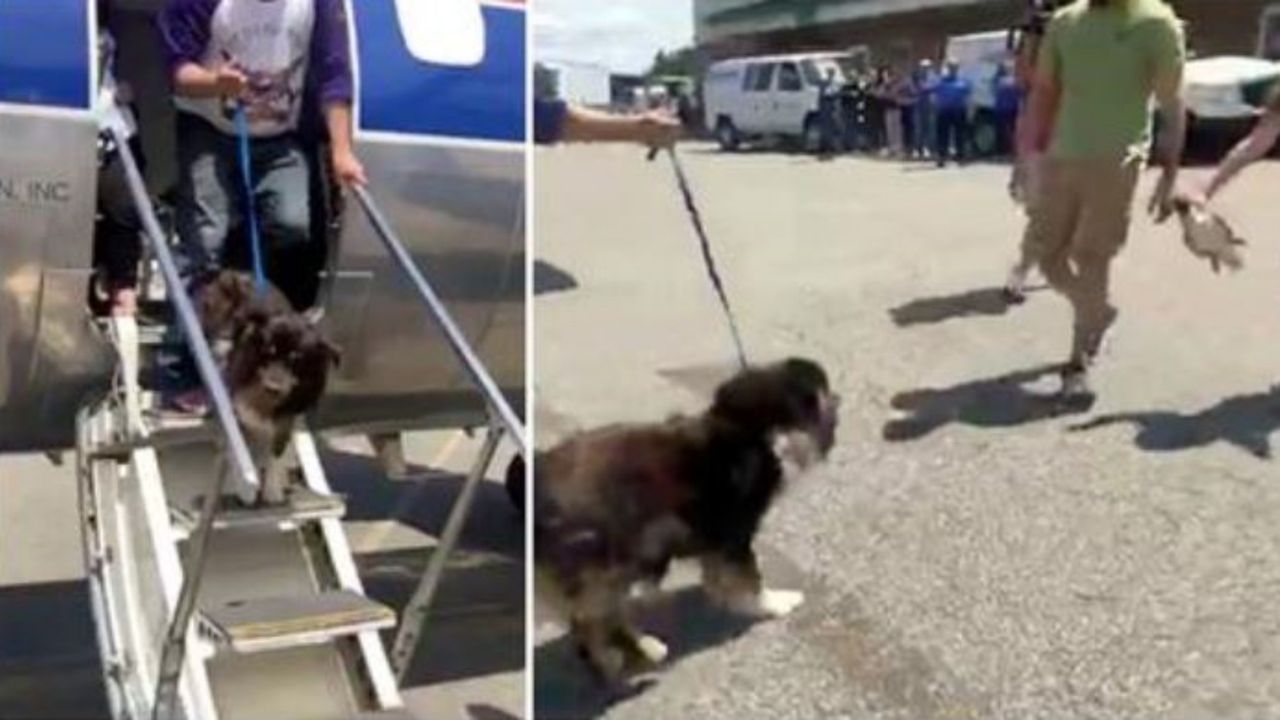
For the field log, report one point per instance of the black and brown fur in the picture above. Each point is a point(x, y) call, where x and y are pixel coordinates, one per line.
point(615, 506)
point(276, 365)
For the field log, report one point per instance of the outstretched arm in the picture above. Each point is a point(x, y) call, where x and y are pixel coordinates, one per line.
point(1248, 151)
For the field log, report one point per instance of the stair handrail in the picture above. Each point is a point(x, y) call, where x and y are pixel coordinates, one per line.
point(479, 375)
point(174, 649)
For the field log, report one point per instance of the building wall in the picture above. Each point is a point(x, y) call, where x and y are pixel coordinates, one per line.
point(1214, 27)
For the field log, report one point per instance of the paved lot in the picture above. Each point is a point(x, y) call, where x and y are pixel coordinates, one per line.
point(470, 667)
point(966, 553)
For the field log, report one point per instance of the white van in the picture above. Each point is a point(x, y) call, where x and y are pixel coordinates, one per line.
point(769, 96)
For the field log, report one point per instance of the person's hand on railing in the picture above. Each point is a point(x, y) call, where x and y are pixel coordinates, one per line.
point(348, 169)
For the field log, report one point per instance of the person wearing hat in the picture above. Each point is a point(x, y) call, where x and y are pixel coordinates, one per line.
point(952, 95)
point(1102, 63)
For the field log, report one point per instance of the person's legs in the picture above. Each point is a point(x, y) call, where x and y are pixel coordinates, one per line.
point(961, 134)
point(283, 198)
point(909, 130)
point(209, 196)
point(942, 139)
point(117, 246)
point(1053, 218)
point(893, 129)
point(1107, 192)
point(1015, 285)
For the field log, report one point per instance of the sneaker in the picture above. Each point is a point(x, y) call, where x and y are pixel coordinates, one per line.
point(189, 403)
point(1075, 392)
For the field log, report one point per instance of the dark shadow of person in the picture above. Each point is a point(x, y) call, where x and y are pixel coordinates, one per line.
point(563, 687)
point(998, 402)
point(927, 311)
point(1246, 421)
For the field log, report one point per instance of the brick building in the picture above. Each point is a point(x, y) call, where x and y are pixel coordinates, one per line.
point(900, 31)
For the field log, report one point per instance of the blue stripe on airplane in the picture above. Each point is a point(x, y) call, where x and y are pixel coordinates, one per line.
point(399, 93)
point(44, 53)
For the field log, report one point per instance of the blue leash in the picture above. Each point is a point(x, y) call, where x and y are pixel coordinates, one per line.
point(250, 206)
point(708, 260)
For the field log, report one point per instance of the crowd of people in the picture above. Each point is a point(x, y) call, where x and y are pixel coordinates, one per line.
point(925, 114)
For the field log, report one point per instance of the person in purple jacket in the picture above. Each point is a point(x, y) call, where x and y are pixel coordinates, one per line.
point(263, 55)
point(272, 58)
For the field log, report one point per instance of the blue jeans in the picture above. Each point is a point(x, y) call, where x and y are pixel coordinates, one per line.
point(926, 129)
point(211, 194)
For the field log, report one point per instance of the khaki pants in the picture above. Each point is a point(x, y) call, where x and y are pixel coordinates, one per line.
point(1078, 221)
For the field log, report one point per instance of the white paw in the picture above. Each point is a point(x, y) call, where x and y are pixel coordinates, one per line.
point(645, 589)
point(779, 603)
point(272, 493)
point(653, 649)
point(768, 604)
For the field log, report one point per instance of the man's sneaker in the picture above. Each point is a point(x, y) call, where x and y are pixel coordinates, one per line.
point(1076, 395)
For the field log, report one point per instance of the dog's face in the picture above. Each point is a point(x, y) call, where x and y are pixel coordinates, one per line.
point(786, 398)
point(284, 359)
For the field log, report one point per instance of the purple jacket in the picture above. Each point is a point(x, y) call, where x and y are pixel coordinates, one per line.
point(184, 28)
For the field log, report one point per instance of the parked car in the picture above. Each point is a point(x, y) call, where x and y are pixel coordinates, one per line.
point(1224, 97)
point(754, 98)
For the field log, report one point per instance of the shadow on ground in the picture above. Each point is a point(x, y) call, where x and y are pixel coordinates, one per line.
point(563, 689)
point(989, 302)
point(1245, 421)
point(548, 278)
point(488, 712)
point(477, 623)
point(998, 402)
point(49, 670)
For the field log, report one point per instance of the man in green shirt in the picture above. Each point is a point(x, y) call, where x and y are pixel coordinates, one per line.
point(1102, 63)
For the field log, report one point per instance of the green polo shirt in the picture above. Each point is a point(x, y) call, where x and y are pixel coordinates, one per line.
point(1108, 62)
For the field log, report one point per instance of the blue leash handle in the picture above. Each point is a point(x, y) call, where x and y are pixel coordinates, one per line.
point(250, 205)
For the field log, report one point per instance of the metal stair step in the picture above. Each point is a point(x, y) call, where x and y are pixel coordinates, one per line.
point(302, 505)
point(276, 623)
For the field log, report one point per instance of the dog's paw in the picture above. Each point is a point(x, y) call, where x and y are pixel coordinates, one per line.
point(768, 603)
point(653, 650)
point(779, 603)
point(272, 494)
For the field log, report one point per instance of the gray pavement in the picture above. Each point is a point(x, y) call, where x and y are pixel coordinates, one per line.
point(469, 667)
point(967, 553)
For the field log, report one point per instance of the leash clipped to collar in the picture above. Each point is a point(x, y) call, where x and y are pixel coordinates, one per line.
point(250, 205)
point(708, 259)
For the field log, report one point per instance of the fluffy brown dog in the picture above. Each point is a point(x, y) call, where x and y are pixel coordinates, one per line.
point(276, 365)
point(223, 301)
point(615, 505)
